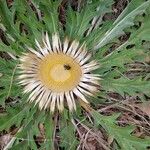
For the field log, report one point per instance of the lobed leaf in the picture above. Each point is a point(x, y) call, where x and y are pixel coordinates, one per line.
point(118, 26)
point(122, 135)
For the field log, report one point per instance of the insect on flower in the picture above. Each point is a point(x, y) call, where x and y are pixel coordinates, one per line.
point(58, 72)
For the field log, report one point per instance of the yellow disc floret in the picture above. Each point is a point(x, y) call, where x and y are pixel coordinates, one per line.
point(59, 72)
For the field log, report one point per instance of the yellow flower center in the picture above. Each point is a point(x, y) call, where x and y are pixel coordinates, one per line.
point(59, 72)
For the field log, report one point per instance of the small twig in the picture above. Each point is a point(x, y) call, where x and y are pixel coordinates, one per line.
point(9, 145)
point(134, 112)
point(76, 127)
point(86, 136)
point(55, 125)
point(98, 139)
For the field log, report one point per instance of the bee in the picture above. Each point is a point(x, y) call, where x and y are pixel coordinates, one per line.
point(67, 67)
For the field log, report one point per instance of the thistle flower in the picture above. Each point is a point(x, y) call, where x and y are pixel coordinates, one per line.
point(58, 72)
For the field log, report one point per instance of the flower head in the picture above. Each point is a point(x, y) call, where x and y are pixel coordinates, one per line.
point(58, 72)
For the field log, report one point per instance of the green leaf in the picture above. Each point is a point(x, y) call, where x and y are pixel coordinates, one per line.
point(67, 133)
point(22, 144)
point(49, 133)
point(30, 129)
point(131, 6)
point(120, 58)
point(123, 55)
point(13, 117)
point(78, 22)
point(69, 140)
point(50, 18)
point(5, 48)
point(7, 18)
point(118, 27)
point(93, 38)
point(122, 135)
point(8, 83)
point(124, 85)
point(28, 17)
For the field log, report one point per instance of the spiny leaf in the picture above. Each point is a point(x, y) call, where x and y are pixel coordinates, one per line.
point(78, 22)
point(119, 58)
point(27, 135)
point(7, 18)
point(93, 38)
point(123, 55)
point(49, 133)
point(8, 83)
point(50, 18)
point(5, 48)
point(123, 85)
point(121, 134)
point(13, 117)
point(126, 21)
point(27, 16)
point(132, 5)
point(67, 133)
